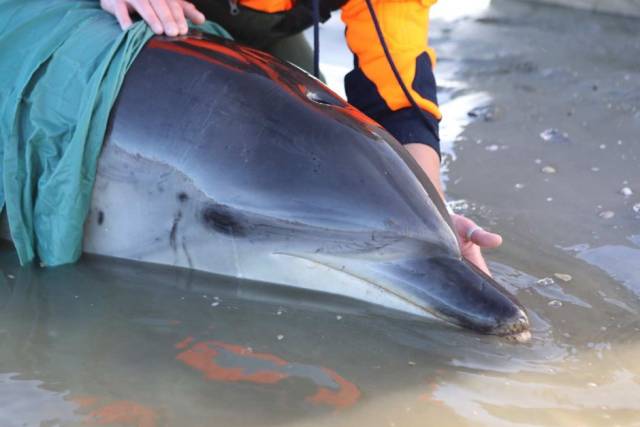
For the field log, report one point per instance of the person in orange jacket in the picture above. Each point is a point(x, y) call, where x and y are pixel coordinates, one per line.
point(371, 86)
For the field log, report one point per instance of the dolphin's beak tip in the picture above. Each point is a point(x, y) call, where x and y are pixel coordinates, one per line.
point(516, 328)
point(520, 337)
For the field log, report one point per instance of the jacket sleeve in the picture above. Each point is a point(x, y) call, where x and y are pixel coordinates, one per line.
point(372, 87)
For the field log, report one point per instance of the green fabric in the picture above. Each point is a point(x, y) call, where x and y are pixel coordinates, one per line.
point(62, 63)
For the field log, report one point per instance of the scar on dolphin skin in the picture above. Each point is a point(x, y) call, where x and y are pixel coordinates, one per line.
point(219, 361)
point(121, 412)
point(174, 231)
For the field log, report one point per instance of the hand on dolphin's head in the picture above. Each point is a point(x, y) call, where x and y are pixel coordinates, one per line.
point(472, 239)
point(163, 16)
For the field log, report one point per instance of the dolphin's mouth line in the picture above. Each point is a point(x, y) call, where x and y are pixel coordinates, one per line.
point(513, 335)
point(403, 298)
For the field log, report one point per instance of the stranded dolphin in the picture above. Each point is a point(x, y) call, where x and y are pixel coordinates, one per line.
point(224, 159)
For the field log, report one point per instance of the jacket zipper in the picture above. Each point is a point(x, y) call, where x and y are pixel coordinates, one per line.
point(233, 7)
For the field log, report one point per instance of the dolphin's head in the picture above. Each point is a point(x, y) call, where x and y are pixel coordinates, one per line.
point(286, 165)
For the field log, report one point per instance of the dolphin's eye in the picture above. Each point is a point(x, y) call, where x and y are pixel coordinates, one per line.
point(221, 218)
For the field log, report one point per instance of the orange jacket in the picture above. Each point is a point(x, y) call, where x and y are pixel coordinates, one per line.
point(372, 86)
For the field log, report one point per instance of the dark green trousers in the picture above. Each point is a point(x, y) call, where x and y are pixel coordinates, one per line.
point(256, 29)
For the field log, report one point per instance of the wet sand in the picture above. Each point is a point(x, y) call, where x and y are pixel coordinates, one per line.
point(110, 343)
point(618, 7)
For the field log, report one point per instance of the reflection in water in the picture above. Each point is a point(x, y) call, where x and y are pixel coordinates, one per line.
point(457, 113)
point(554, 401)
point(98, 411)
point(25, 402)
point(219, 361)
point(622, 263)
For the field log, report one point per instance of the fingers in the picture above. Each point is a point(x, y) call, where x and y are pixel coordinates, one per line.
point(163, 10)
point(469, 231)
point(472, 238)
point(178, 16)
point(486, 239)
point(163, 16)
point(144, 9)
point(192, 13)
point(174, 14)
point(121, 12)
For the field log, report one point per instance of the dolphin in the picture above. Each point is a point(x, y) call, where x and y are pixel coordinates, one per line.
point(224, 159)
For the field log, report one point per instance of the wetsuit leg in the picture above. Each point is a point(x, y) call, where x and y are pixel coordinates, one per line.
point(257, 29)
point(296, 50)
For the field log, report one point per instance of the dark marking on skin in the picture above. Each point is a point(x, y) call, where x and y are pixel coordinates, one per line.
point(174, 231)
point(186, 252)
point(100, 217)
point(220, 218)
point(183, 197)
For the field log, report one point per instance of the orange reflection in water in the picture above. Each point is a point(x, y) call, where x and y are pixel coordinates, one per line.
point(121, 412)
point(219, 361)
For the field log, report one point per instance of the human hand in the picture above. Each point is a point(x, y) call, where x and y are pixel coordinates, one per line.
point(472, 238)
point(163, 16)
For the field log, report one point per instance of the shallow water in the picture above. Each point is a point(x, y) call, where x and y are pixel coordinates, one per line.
point(146, 346)
point(105, 342)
